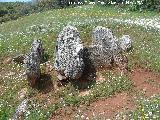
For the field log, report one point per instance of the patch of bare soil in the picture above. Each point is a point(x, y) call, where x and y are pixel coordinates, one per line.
point(101, 108)
point(144, 80)
point(65, 113)
point(110, 107)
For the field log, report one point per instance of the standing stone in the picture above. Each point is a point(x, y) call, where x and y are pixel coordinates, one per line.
point(107, 49)
point(32, 62)
point(104, 46)
point(68, 58)
point(102, 36)
point(38, 48)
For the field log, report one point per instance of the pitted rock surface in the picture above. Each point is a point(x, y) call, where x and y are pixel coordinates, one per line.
point(38, 48)
point(104, 46)
point(32, 62)
point(107, 49)
point(69, 61)
point(125, 42)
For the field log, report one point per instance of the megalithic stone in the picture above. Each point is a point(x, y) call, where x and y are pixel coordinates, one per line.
point(107, 49)
point(102, 36)
point(32, 62)
point(38, 48)
point(104, 46)
point(68, 58)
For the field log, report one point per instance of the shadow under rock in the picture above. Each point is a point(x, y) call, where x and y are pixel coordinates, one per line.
point(88, 77)
point(45, 84)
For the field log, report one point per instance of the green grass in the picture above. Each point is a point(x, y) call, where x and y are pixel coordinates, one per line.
point(16, 37)
point(39, 108)
point(148, 108)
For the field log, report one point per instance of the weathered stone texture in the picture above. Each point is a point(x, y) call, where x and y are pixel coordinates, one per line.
point(125, 42)
point(32, 62)
point(68, 61)
point(107, 49)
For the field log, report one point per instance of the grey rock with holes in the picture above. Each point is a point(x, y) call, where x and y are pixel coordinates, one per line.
point(102, 36)
point(68, 56)
point(21, 111)
point(104, 46)
point(38, 48)
point(107, 49)
point(32, 62)
point(125, 42)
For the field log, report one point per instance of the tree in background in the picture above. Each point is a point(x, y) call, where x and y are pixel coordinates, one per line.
point(12, 11)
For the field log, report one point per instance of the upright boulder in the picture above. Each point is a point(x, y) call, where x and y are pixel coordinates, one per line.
point(38, 48)
point(32, 62)
point(104, 46)
point(68, 56)
point(107, 49)
point(102, 36)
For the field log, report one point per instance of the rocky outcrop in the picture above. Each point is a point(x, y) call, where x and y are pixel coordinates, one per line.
point(68, 56)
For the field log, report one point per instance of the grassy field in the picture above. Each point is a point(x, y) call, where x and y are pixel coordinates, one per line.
point(16, 38)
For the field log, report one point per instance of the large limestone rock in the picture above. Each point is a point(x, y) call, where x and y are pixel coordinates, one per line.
point(32, 62)
point(104, 46)
point(38, 48)
point(106, 49)
point(68, 56)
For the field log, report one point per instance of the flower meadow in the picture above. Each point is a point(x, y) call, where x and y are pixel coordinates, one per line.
point(16, 38)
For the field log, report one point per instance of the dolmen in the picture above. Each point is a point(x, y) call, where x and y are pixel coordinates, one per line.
point(105, 50)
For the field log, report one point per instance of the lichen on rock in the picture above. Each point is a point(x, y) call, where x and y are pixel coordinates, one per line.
point(104, 46)
point(32, 62)
point(38, 48)
point(106, 49)
point(68, 58)
point(125, 42)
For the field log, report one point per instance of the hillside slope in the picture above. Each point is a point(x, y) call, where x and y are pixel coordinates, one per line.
point(51, 100)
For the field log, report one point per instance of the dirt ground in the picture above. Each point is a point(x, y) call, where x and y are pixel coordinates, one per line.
point(146, 82)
